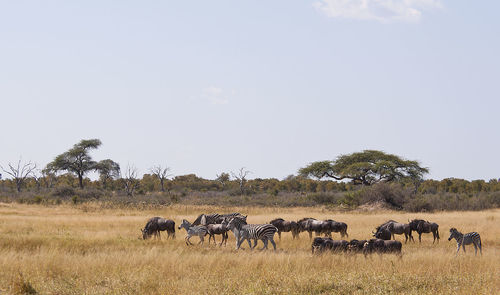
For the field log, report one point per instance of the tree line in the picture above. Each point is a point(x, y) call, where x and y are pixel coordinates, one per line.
point(347, 173)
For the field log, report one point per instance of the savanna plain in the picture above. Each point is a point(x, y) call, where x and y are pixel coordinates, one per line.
point(89, 249)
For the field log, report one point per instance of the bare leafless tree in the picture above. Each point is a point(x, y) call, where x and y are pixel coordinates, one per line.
point(241, 178)
point(20, 172)
point(37, 177)
point(130, 181)
point(162, 174)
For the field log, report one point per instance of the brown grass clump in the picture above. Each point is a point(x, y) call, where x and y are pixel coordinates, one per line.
point(87, 249)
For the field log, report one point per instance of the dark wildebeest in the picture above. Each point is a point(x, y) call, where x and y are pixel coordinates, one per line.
point(286, 226)
point(382, 246)
point(323, 244)
point(356, 246)
point(399, 229)
point(328, 226)
point(217, 229)
point(155, 225)
point(382, 231)
point(422, 226)
point(311, 225)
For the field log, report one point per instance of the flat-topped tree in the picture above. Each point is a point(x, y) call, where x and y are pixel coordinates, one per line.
point(77, 160)
point(367, 167)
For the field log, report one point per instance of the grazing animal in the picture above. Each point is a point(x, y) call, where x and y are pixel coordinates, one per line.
point(243, 231)
point(328, 226)
point(422, 226)
point(155, 225)
point(311, 225)
point(214, 218)
point(204, 219)
point(286, 226)
point(323, 244)
point(382, 231)
point(356, 246)
point(196, 230)
point(382, 246)
point(399, 229)
point(466, 239)
point(217, 229)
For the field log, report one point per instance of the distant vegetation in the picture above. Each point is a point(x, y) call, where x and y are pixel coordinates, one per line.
point(375, 179)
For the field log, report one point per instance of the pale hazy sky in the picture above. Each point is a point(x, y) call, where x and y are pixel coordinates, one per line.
point(212, 86)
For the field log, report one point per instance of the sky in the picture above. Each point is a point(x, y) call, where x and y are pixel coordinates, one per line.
point(206, 87)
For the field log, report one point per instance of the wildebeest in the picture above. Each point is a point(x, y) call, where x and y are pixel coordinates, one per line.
point(323, 244)
point(399, 229)
point(196, 230)
point(356, 246)
point(382, 231)
point(311, 225)
point(217, 229)
point(382, 246)
point(328, 226)
point(286, 226)
point(157, 224)
point(423, 226)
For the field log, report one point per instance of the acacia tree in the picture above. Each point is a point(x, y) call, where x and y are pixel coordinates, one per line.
point(222, 178)
point(108, 170)
point(76, 160)
point(162, 174)
point(241, 178)
point(367, 168)
point(20, 172)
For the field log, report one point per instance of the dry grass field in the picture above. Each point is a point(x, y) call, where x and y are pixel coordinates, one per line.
point(89, 250)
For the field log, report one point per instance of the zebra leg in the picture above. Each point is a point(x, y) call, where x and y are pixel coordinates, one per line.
point(250, 244)
point(254, 244)
point(274, 244)
point(279, 234)
point(188, 242)
point(201, 239)
point(480, 247)
point(475, 248)
point(265, 244)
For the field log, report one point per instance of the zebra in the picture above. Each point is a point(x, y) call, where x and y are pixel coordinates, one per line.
point(467, 239)
point(243, 231)
point(204, 219)
point(197, 230)
point(214, 218)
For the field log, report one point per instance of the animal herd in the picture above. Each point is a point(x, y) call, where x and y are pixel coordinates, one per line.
point(383, 240)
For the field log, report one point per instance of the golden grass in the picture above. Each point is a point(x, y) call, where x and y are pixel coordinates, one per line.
point(85, 249)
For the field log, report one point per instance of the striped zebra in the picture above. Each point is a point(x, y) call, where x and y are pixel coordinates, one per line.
point(467, 239)
point(214, 218)
point(243, 231)
point(205, 219)
point(197, 230)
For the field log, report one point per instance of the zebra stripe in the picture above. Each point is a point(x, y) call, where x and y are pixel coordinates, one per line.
point(196, 230)
point(243, 231)
point(205, 219)
point(214, 218)
point(466, 239)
